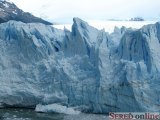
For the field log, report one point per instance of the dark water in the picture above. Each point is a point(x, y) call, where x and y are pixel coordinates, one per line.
point(29, 114)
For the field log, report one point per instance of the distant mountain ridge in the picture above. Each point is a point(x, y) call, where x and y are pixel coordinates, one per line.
point(9, 11)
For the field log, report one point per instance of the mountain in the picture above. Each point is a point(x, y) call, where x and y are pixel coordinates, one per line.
point(9, 11)
point(137, 19)
point(86, 69)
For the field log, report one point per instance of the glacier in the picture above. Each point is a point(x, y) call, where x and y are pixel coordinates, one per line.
point(86, 69)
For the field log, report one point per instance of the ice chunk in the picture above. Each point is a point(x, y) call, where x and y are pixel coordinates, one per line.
point(57, 108)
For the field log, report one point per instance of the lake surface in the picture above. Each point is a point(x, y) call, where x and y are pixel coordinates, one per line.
point(29, 114)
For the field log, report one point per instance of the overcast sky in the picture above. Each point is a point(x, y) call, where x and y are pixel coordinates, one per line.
point(65, 10)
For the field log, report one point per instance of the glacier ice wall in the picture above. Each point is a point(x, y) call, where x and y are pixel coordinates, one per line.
point(87, 69)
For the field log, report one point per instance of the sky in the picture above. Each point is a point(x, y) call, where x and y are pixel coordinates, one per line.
point(62, 11)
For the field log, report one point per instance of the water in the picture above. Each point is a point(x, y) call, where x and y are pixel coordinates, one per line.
point(29, 114)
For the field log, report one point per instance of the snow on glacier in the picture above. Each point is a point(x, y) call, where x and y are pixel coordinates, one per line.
point(86, 69)
point(109, 25)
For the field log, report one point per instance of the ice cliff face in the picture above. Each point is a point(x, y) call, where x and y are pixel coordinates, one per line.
point(86, 69)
